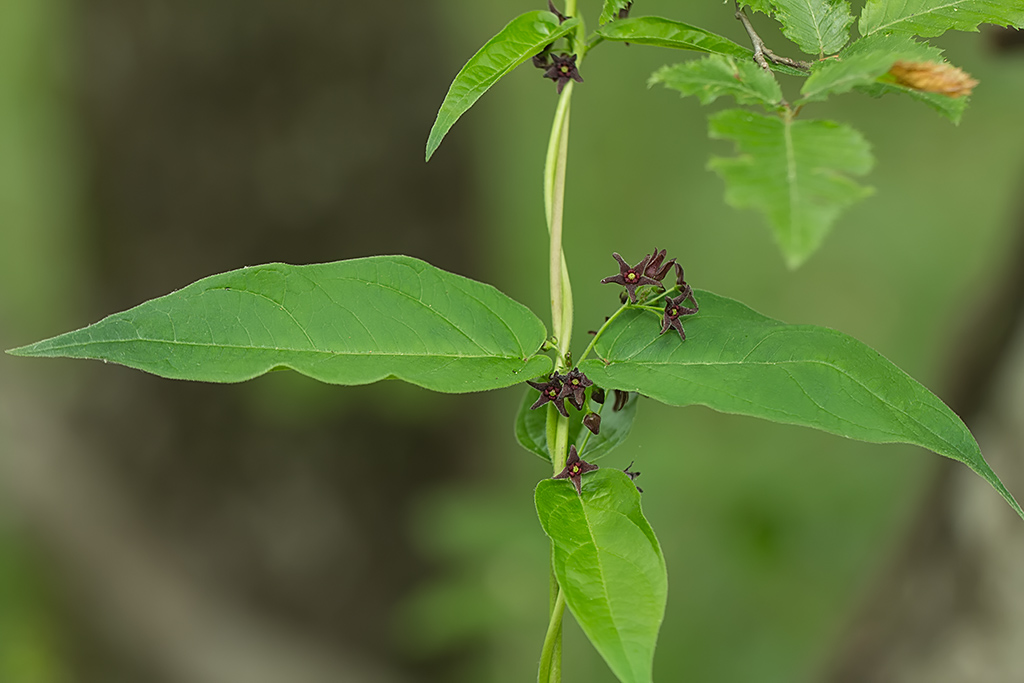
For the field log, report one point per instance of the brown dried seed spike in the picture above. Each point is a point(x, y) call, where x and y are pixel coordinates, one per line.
point(944, 79)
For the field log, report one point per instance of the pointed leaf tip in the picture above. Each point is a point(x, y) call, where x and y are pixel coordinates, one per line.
point(523, 37)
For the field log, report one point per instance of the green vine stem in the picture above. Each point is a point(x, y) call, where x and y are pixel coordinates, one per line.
point(561, 324)
point(550, 667)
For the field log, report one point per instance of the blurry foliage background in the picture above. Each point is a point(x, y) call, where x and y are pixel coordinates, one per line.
point(146, 144)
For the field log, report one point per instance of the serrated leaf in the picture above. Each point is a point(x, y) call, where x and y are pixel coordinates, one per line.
point(951, 107)
point(793, 172)
point(349, 322)
point(736, 360)
point(862, 63)
point(763, 6)
point(927, 18)
point(525, 36)
point(610, 11)
point(531, 427)
point(609, 565)
point(818, 27)
point(717, 75)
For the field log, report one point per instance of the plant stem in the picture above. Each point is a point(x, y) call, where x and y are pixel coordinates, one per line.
point(550, 670)
point(561, 324)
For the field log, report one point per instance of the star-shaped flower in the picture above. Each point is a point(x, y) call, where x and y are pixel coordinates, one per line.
point(631, 277)
point(655, 269)
point(632, 475)
point(573, 386)
point(549, 393)
point(575, 469)
point(674, 309)
point(562, 70)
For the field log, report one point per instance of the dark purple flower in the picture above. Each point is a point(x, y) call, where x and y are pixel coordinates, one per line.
point(592, 422)
point(632, 475)
point(655, 269)
point(549, 393)
point(631, 277)
point(561, 17)
point(674, 308)
point(621, 399)
point(597, 395)
point(542, 60)
point(624, 12)
point(562, 70)
point(575, 469)
point(573, 386)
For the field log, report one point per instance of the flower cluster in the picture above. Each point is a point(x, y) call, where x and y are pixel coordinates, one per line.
point(559, 387)
point(651, 270)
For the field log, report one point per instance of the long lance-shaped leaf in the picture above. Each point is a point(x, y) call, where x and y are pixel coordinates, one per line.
point(525, 36)
point(792, 171)
point(819, 27)
point(679, 36)
point(927, 18)
point(609, 565)
point(738, 361)
point(349, 322)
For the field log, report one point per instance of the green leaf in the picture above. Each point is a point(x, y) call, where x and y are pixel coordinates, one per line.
point(717, 75)
point(792, 172)
point(609, 566)
point(610, 12)
point(349, 322)
point(928, 18)
point(763, 6)
point(735, 360)
point(531, 427)
point(819, 27)
point(951, 107)
point(862, 63)
point(677, 35)
point(673, 34)
point(524, 37)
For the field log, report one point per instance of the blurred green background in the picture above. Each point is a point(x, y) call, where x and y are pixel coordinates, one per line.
point(772, 534)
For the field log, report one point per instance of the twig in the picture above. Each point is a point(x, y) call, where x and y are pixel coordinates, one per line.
point(762, 54)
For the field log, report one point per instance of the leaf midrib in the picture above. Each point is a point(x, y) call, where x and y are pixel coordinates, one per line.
point(242, 347)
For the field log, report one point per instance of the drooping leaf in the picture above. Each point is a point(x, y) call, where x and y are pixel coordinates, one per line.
point(610, 11)
point(717, 75)
point(531, 427)
point(735, 360)
point(349, 322)
point(862, 63)
point(793, 172)
point(525, 36)
point(818, 27)
point(927, 18)
point(609, 565)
